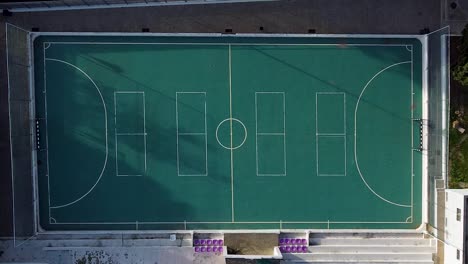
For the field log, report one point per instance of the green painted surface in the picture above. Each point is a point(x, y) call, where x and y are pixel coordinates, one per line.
point(228, 133)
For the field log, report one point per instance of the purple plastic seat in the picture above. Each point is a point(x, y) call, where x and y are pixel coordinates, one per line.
point(220, 249)
point(202, 242)
point(196, 242)
point(288, 248)
point(293, 249)
point(304, 249)
point(203, 249)
point(197, 249)
point(281, 241)
point(215, 242)
point(298, 241)
point(209, 242)
point(220, 242)
point(208, 249)
point(304, 241)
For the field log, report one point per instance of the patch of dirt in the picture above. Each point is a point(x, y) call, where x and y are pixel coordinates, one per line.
point(250, 244)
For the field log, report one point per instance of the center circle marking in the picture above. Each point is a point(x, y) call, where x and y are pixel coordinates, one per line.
point(230, 120)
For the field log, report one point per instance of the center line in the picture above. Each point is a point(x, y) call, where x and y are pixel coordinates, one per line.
point(232, 157)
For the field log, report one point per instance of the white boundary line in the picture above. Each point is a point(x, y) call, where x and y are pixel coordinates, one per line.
point(242, 222)
point(299, 222)
point(220, 43)
point(107, 146)
point(342, 135)
point(144, 134)
point(246, 35)
point(281, 134)
point(47, 133)
point(412, 136)
point(355, 135)
point(193, 134)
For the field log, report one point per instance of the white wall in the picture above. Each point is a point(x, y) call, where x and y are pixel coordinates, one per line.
point(454, 229)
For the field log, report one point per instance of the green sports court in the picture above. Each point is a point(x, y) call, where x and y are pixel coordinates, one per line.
point(174, 132)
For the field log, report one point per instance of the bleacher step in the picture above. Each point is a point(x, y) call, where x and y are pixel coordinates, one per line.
point(359, 256)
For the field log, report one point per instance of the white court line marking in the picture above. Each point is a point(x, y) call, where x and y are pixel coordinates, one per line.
point(177, 131)
point(206, 141)
point(129, 92)
point(144, 134)
point(316, 113)
point(355, 134)
point(230, 118)
point(222, 44)
point(344, 158)
point(283, 134)
point(47, 134)
point(47, 45)
point(318, 135)
point(188, 134)
point(130, 134)
point(243, 222)
point(259, 222)
point(115, 135)
point(412, 136)
point(144, 127)
point(107, 147)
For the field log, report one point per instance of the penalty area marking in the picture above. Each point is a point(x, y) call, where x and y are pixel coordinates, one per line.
point(107, 147)
point(355, 137)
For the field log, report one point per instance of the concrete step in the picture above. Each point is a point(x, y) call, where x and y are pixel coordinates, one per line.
point(370, 241)
point(412, 234)
point(355, 262)
point(369, 257)
point(118, 243)
point(114, 240)
point(371, 249)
